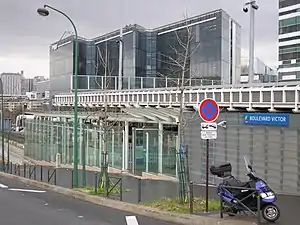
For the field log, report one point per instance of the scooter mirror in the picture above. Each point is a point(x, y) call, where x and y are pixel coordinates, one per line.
point(250, 167)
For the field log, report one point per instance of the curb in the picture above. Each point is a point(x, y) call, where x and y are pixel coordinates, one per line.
point(183, 219)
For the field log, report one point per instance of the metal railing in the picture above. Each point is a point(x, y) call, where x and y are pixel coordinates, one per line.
point(31, 171)
point(271, 96)
point(241, 201)
point(92, 82)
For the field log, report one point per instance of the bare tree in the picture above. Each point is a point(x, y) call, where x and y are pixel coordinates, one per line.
point(105, 124)
point(177, 65)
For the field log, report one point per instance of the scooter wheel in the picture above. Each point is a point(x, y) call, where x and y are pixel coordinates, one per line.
point(232, 212)
point(270, 212)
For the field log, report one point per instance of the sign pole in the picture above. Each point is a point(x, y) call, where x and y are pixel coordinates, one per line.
point(209, 113)
point(207, 174)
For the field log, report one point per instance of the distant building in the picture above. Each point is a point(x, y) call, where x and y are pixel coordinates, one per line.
point(12, 83)
point(262, 72)
point(26, 85)
point(36, 80)
point(42, 88)
point(215, 49)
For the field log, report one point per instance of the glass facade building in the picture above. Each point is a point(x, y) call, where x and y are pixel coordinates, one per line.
point(213, 54)
point(289, 40)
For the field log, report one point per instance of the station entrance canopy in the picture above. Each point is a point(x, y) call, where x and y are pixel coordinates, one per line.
point(130, 114)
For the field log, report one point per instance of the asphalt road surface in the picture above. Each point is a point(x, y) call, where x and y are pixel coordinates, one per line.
point(27, 205)
point(289, 205)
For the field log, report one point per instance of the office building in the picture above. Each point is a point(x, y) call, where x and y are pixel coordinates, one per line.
point(12, 83)
point(214, 54)
point(289, 40)
point(26, 85)
point(262, 72)
point(36, 80)
point(42, 88)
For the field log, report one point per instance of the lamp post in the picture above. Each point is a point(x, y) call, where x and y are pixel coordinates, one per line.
point(2, 123)
point(45, 12)
point(252, 6)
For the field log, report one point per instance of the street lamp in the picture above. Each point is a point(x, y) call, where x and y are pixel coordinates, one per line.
point(45, 12)
point(252, 6)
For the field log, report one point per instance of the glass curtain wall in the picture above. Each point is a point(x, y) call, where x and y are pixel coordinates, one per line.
point(207, 47)
point(61, 67)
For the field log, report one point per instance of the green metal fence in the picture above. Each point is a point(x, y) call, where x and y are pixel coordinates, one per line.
point(45, 138)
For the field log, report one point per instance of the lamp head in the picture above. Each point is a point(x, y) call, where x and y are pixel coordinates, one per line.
point(43, 12)
point(245, 9)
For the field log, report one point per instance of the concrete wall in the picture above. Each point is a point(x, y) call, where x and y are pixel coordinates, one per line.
point(275, 151)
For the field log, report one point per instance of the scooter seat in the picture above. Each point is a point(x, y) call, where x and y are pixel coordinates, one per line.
point(236, 183)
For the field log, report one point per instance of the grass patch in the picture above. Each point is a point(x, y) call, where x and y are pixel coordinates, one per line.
point(172, 205)
point(102, 190)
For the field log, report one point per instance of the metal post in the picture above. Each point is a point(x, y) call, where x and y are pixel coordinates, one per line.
point(252, 6)
point(75, 94)
point(8, 151)
point(258, 208)
point(251, 46)
point(121, 187)
point(83, 152)
point(221, 206)
point(207, 173)
point(120, 80)
point(191, 197)
point(96, 183)
point(41, 172)
point(139, 190)
point(2, 123)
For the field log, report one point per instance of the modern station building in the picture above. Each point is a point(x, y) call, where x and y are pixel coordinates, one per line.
point(289, 40)
point(214, 54)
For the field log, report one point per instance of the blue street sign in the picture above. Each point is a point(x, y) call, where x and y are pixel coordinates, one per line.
point(275, 119)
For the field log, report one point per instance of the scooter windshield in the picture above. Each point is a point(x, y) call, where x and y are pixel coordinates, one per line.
point(248, 165)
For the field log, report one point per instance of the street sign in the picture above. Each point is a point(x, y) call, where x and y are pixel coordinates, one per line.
point(209, 134)
point(209, 110)
point(209, 126)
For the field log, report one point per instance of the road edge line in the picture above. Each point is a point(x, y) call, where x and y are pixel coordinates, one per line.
point(184, 219)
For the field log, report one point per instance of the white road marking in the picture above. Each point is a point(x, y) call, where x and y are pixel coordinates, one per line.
point(26, 190)
point(3, 186)
point(131, 220)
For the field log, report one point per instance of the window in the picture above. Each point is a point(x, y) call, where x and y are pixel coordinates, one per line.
point(289, 29)
point(286, 3)
point(289, 39)
point(289, 12)
point(287, 56)
point(289, 49)
point(289, 21)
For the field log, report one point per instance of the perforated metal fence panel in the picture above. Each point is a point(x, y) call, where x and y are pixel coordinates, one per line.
point(274, 150)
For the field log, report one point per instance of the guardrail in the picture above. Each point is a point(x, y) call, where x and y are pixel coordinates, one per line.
point(30, 171)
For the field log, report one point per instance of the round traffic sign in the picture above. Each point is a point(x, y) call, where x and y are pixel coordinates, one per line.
point(209, 110)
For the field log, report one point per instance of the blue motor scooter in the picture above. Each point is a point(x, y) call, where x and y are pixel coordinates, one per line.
point(242, 197)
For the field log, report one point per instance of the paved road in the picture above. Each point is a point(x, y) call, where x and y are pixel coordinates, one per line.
point(48, 208)
point(152, 189)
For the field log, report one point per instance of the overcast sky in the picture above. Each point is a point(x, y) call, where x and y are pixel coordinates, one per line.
point(25, 36)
